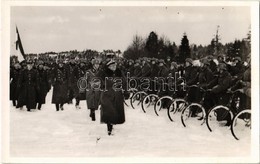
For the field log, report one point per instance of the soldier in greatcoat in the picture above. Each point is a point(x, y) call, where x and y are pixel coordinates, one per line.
point(28, 85)
point(112, 98)
point(60, 86)
point(80, 93)
point(14, 75)
point(72, 82)
point(43, 84)
point(92, 93)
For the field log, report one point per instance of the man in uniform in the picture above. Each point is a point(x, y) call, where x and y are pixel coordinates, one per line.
point(60, 86)
point(14, 75)
point(92, 95)
point(28, 84)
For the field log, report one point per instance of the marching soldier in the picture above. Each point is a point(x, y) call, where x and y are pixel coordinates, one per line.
point(72, 82)
point(111, 100)
point(60, 86)
point(28, 85)
point(14, 75)
point(79, 72)
point(43, 84)
point(92, 95)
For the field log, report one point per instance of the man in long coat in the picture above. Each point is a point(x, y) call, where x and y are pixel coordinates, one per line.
point(28, 84)
point(43, 85)
point(92, 95)
point(112, 99)
point(14, 75)
point(60, 86)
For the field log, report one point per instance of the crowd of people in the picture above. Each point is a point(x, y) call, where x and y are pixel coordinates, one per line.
point(31, 80)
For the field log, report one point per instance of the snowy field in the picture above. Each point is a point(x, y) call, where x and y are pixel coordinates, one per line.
point(71, 133)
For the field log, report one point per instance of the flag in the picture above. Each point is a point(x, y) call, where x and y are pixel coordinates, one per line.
point(19, 47)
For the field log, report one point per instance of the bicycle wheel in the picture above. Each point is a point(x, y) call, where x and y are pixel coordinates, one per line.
point(137, 98)
point(161, 104)
point(177, 106)
point(131, 91)
point(193, 114)
point(149, 101)
point(241, 125)
point(219, 116)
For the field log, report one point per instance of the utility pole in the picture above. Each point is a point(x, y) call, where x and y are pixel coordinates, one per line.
point(217, 39)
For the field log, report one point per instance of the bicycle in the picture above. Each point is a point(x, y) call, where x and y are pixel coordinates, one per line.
point(234, 114)
point(193, 111)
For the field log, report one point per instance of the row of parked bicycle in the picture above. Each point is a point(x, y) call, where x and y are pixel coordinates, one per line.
point(234, 112)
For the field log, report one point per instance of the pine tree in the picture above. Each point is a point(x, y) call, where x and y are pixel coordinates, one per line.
point(151, 45)
point(184, 50)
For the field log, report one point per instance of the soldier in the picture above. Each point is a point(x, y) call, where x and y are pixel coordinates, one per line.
point(14, 75)
point(238, 68)
point(137, 69)
point(163, 70)
point(191, 72)
point(146, 68)
point(163, 73)
point(173, 70)
point(154, 68)
point(43, 84)
point(79, 72)
point(130, 67)
point(218, 88)
point(205, 74)
point(168, 62)
point(111, 100)
point(92, 95)
point(60, 86)
point(28, 85)
point(72, 82)
point(212, 64)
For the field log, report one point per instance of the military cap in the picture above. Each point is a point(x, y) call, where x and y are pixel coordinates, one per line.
point(237, 58)
point(174, 64)
point(161, 61)
point(210, 57)
point(29, 62)
point(95, 61)
point(60, 61)
point(220, 56)
point(189, 60)
point(222, 66)
point(111, 62)
point(204, 61)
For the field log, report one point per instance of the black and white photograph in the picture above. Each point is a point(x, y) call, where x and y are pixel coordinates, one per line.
point(128, 81)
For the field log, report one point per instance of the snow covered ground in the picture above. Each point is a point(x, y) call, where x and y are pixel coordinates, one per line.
point(71, 133)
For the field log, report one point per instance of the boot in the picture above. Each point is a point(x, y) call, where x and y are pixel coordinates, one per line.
point(93, 117)
point(57, 107)
point(109, 129)
point(61, 107)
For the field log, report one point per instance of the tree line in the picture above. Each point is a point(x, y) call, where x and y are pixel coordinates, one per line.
point(161, 47)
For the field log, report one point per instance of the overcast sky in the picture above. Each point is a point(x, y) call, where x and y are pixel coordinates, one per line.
point(57, 29)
